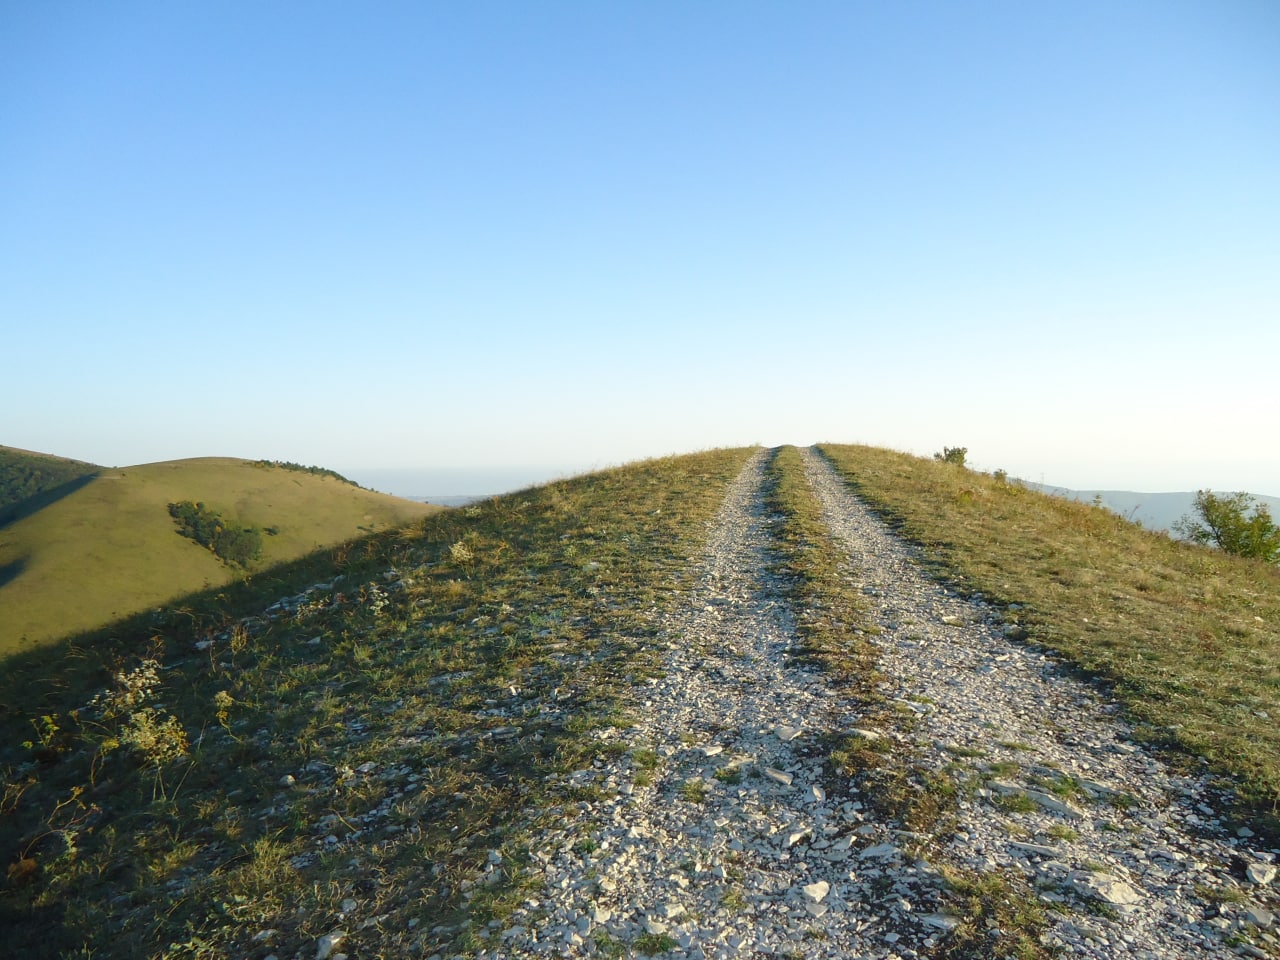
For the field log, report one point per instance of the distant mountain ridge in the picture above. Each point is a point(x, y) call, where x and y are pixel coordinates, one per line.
point(1155, 511)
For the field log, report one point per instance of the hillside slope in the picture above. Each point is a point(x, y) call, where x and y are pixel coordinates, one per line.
point(1188, 636)
point(109, 549)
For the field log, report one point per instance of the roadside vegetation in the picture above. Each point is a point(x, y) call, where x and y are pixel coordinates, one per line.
point(1236, 523)
point(357, 769)
point(1188, 636)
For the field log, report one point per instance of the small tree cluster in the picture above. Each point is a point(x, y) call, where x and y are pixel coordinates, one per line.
point(1226, 522)
point(231, 544)
point(954, 455)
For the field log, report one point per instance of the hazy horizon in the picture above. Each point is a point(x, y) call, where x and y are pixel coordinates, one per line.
point(456, 482)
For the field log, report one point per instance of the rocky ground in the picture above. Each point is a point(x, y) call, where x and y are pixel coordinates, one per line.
point(718, 825)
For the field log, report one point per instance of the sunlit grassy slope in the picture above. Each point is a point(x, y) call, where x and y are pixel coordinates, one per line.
point(1188, 636)
point(110, 549)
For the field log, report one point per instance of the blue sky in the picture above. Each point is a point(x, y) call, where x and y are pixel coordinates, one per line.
point(462, 237)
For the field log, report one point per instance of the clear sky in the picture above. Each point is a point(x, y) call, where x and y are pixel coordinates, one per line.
point(550, 236)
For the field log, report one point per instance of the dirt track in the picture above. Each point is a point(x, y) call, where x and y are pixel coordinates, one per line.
point(718, 826)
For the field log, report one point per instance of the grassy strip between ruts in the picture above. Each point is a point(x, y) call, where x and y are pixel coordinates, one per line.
point(1189, 637)
point(832, 622)
point(369, 765)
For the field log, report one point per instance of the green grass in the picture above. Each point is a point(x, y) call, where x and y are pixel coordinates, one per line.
point(1016, 802)
point(693, 791)
point(1188, 637)
point(434, 719)
point(983, 902)
point(108, 549)
point(651, 943)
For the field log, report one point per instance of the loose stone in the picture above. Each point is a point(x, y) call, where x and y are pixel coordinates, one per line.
point(817, 892)
point(1261, 873)
point(328, 943)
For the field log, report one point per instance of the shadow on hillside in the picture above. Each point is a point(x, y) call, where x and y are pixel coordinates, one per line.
point(37, 502)
point(11, 571)
point(50, 676)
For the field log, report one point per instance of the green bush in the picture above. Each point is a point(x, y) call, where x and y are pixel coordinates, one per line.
point(235, 545)
point(1224, 521)
point(954, 455)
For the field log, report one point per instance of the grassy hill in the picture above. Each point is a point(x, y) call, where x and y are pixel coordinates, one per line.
point(198, 780)
point(105, 547)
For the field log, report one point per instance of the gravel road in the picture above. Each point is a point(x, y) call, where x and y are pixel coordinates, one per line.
point(716, 826)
